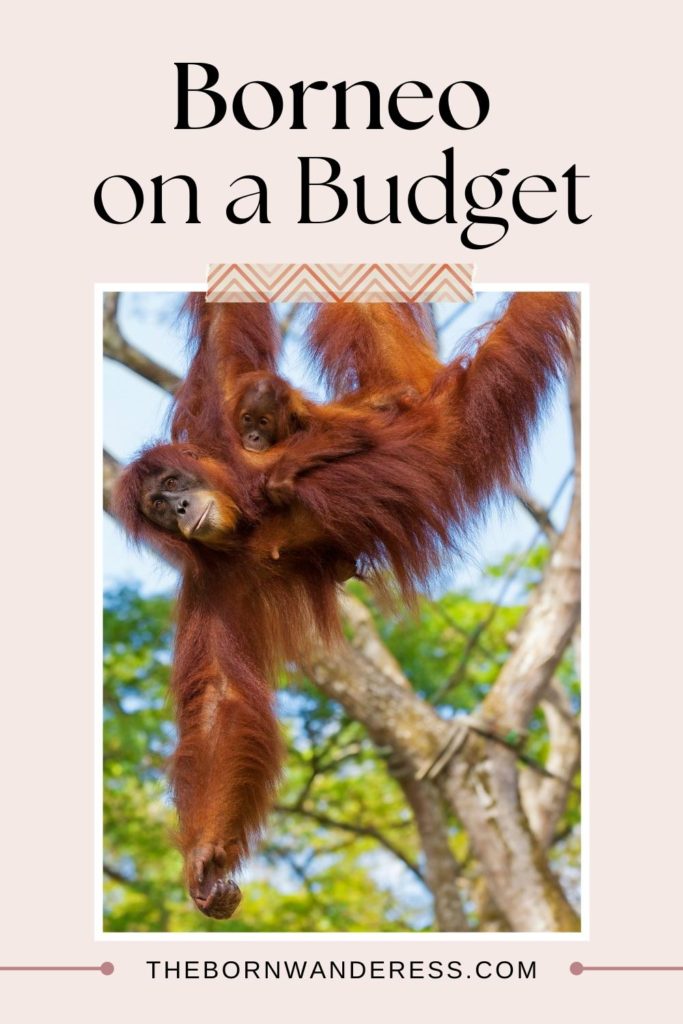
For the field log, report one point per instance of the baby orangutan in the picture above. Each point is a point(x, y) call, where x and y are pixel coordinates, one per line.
point(266, 410)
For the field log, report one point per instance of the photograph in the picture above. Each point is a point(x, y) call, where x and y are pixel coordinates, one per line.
point(341, 576)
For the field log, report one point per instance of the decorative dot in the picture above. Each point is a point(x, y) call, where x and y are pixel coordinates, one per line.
point(576, 967)
point(107, 967)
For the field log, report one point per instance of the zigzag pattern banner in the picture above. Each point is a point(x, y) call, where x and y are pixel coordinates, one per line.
point(340, 282)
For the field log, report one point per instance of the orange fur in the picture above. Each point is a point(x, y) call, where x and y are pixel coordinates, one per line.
point(392, 491)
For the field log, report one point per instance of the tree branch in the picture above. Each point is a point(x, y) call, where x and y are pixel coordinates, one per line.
point(110, 470)
point(545, 799)
point(474, 637)
point(363, 831)
point(423, 797)
point(537, 512)
point(442, 870)
point(544, 633)
point(121, 351)
point(397, 718)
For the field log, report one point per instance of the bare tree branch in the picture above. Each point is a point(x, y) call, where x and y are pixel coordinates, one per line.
point(537, 512)
point(117, 348)
point(362, 831)
point(474, 637)
point(116, 876)
point(522, 884)
point(441, 868)
point(110, 470)
point(544, 800)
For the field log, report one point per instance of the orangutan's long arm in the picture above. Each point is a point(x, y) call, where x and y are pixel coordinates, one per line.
point(498, 396)
point(230, 339)
point(490, 403)
point(373, 347)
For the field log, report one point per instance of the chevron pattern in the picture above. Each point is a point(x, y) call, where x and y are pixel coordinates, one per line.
point(340, 282)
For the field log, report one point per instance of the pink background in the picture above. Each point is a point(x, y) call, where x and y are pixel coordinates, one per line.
point(92, 93)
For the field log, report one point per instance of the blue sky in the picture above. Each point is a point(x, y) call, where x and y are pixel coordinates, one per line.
point(134, 412)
